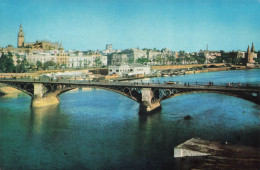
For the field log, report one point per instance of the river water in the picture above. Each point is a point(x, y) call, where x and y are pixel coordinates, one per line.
point(98, 129)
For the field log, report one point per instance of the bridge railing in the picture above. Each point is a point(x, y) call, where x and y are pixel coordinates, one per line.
point(186, 83)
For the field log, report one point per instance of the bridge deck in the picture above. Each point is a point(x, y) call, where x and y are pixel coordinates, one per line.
point(249, 88)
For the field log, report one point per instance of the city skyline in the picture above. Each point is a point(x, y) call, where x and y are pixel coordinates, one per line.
point(178, 25)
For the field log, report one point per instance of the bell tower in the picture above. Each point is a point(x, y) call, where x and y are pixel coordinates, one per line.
point(20, 42)
point(253, 48)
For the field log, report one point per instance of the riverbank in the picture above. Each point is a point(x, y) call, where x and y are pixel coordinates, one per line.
point(8, 90)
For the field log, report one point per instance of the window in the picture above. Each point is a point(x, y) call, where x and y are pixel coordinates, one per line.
point(117, 70)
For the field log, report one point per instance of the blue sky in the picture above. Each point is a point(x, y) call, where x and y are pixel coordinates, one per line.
point(176, 24)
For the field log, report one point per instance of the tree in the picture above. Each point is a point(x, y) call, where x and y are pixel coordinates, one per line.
point(7, 63)
point(39, 64)
point(48, 64)
point(170, 58)
point(97, 61)
point(142, 60)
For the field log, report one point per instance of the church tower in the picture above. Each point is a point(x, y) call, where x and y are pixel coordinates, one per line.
point(20, 42)
point(253, 48)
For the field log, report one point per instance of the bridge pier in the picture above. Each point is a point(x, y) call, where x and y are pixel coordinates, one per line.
point(39, 100)
point(147, 105)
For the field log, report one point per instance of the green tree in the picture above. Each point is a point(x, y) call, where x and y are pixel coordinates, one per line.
point(97, 61)
point(170, 58)
point(7, 63)
point(39, 65)
point(48, 64)
point(142, 60)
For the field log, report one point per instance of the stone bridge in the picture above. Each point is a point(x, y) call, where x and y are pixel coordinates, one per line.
point(148, 95)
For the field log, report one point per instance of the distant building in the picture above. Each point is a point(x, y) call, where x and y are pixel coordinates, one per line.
point(42, 57)
point(134, 54)
point(45, 45)
point(109, 47)
point(129, 70)
point(63, 59)
point(241, 54)
point(250, 56)
point(118, 59)
point(20, 40)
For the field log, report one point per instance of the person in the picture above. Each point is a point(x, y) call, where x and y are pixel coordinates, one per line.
point(196, 82)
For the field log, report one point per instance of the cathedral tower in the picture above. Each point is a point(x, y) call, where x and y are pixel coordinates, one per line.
point(253, 48)
point(20, 42)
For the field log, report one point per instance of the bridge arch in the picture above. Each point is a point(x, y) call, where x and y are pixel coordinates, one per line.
point(131, 93)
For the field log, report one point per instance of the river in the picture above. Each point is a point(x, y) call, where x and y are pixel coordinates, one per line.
point(99, 129)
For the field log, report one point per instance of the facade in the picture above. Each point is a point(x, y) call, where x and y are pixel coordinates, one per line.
point(63, 59)
point(94, 60)
point(76, 60)
point(134, 54)
point(240, 54)
point(129, 70)
point(119, 59)
point(42, 57)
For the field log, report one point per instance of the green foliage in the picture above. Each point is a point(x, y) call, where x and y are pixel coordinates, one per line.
point(97, 61)
point(48, 64)
point(39, 65)
point(200, 59)
point(142, 60)
point(131, 60)
point(7, 63)
point(22, 66)
point(171, 58)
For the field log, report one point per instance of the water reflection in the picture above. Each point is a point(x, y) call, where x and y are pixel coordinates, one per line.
point(47, 120)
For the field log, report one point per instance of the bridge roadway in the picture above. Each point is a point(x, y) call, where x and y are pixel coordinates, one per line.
point(149, 95)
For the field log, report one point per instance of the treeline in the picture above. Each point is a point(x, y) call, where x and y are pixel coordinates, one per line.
point(7, 64)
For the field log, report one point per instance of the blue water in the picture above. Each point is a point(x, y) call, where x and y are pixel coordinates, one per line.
point(98, 129)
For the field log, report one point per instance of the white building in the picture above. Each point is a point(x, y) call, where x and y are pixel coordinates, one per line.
point(42, 57)
point(129, 70)
point(76, 60)
point(94, 60)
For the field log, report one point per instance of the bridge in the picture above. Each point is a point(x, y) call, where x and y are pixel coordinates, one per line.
point(148, 95)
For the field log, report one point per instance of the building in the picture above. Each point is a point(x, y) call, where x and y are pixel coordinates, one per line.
point(42, 57)
point(134, 54)
point(109, 47)
point(129, 70)
point(76, 60)
point(240, 54)
point(118, 59)
point(45, 45)
point(20, 39)
point(63, 59)
point(250, 56)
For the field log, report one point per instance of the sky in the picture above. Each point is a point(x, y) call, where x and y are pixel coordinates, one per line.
point(187, 25)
